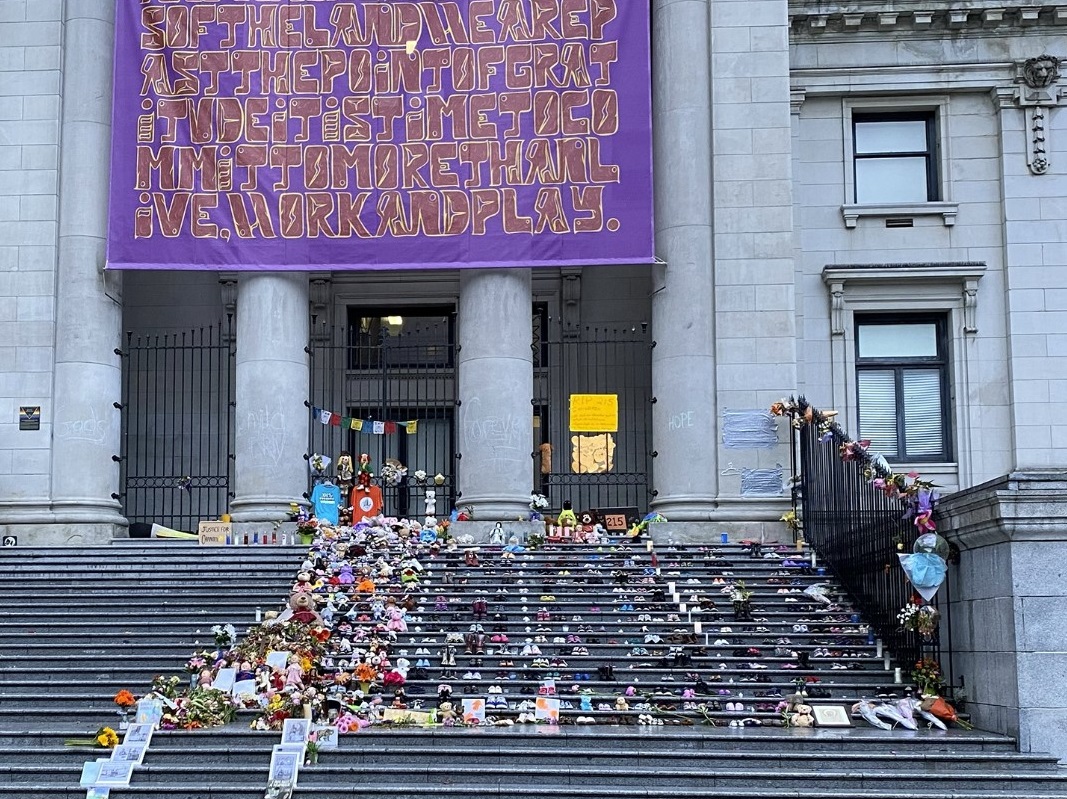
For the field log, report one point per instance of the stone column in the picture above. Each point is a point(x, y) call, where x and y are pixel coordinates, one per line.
point(685, 472)
point(272, 387)
point(88, 372)
point(496, 390)
point(1008, 630)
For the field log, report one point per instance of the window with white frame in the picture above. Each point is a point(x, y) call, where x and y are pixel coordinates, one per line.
point(902, 386)
point(895, 157)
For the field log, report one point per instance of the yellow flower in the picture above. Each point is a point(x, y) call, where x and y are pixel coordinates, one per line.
point(107, 738)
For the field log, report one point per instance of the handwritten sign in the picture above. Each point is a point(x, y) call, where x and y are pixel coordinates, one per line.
point(214, 534)
point(617, 520)
point(300, 134)
point(594, 413)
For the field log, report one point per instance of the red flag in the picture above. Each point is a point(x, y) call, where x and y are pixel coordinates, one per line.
point(390, 428)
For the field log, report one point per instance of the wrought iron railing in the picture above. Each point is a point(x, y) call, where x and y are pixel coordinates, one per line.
point(857, 530)
point(177, 426)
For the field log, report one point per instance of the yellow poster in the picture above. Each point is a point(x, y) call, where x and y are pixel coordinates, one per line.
point(594, 413)
point(592, 454)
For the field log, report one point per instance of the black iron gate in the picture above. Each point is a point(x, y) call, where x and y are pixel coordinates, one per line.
point(393, 370)
point(592, 470)
point(177, 426)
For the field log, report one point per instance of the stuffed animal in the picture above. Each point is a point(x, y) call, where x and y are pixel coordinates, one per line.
point(304, 612)
point(446, 714)
point(802, 716)
point(365, 474)
point(566, 516)
point(396, 622)
point(345, 577)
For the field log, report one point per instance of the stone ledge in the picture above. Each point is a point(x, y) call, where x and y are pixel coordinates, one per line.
point(63, 535)
point(1021, 506)
point(813, 18)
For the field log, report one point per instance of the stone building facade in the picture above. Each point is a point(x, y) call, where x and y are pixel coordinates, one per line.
point(864, 203)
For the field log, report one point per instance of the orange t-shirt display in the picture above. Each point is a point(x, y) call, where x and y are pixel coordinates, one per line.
point(366, 503)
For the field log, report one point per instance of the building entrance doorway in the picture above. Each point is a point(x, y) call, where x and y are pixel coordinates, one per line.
point(390, 371)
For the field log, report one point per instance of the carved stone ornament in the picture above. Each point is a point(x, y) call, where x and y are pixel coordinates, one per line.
point(1041, 72)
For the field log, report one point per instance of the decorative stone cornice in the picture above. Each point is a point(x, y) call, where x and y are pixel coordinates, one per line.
point(954, 276)
point(1022, 506)
point(818, 18)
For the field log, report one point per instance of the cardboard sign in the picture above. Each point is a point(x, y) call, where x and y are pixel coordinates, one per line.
point(594, 413)
point(616, 520)
point(214, 534)
point(394, 715)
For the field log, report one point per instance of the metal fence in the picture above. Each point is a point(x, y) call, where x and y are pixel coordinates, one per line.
point(857, 531)
point(177, 426)
point(593, 470)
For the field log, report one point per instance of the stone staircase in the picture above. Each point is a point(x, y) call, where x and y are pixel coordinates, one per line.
point(78, 625)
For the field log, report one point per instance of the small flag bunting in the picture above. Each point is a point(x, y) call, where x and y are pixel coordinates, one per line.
point(383, 427)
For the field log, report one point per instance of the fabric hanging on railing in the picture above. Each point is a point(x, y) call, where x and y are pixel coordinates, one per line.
point(376, 427)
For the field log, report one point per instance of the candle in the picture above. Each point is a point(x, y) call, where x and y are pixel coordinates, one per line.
point(878, 648)
point(670, 588)
point(698, 628)
point(886, 660)
point(813, 559)
point(259, 615)
point(800, 545)
point(896, 676)
point(648, 545)
point(681, 607)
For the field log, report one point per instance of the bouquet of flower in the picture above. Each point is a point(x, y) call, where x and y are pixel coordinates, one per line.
point(923, 619)
point(206, 707)
point(225, 635)
point(105, 738)
point(165, 686)
point(197, 662)
point(538, 502)
point(307, 525)
point(393, 472)
point(927, 677)
point(125, 700)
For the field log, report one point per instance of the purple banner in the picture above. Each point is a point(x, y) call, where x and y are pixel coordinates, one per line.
point(290, 135)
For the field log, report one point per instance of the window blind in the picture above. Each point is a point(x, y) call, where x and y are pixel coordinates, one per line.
point(878, 410)
point(922, 412)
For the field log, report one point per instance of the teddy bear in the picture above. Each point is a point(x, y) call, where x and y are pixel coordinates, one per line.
point(446, 714)
point(303, 609)
point(396, 622)
point(802, 716)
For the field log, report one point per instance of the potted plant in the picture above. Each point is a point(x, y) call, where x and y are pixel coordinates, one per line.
point(741, 596)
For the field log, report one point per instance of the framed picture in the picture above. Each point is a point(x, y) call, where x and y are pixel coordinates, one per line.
point(129, 753)
point(98, 793)
point(296, 731)
point(831, 716)
point(138, 734)
point(115, 774)
point(284, 766)
point(90, 771)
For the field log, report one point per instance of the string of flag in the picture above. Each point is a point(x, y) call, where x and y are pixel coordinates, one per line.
point(375, 426)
